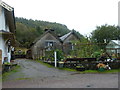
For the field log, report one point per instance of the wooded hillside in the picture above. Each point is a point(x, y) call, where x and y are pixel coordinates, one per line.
point(28, 30)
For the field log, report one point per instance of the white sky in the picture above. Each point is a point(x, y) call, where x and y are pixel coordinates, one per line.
point(81, 15)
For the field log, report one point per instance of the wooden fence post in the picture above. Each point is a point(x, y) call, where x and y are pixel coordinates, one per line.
point(55, 56)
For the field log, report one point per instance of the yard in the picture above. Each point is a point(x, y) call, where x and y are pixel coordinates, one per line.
point(32, 74)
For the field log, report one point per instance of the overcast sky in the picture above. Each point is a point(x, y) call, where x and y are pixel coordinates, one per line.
point(81, 15)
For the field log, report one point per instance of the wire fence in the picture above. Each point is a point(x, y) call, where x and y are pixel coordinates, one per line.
point(82, 50)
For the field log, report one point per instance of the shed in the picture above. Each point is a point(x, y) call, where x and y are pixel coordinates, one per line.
point(113, 47)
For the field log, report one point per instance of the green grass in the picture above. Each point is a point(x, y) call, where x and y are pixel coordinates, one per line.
point(96, 71)
point(6, 74)
point(91, 71)
point(106, 71)
point(0, 77)
point(23, 78)
point(74, 70)
point(46, 64)
point(67, 69)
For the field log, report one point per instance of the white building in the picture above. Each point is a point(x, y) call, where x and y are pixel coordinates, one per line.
point(113, 47)
point(7, 30)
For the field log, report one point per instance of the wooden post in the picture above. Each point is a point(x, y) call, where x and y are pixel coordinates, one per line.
point(55, 55)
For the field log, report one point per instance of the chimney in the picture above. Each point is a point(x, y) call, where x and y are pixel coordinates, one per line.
point(48, 30)
point(59, 35)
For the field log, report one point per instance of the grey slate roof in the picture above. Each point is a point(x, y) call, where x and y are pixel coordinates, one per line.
point(48, 31)
point(62, 38)
point(116, 42)
point(65, 36)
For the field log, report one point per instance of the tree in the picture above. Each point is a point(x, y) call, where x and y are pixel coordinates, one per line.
point(84, 48)
point(105, 33)
point(28, 30)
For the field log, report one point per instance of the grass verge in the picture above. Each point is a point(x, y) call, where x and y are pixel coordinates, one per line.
point(6, 74)
point(94, 71)
point(82, 72)
point(91, 71)
point(22, 78)
point(46, 64)
point(68, 69)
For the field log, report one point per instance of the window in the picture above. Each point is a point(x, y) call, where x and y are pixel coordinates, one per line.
point(72, 45)
point(49, 45)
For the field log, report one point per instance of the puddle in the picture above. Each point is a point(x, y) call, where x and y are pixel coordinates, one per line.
point(90, 85)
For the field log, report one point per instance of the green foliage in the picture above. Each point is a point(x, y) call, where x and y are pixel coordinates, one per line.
point(6, 74)
point(97, 54)
point(28, 30)
point(46, 64)
point(24, 35)
point(60, 55)
point(7, 63)
point(68, 69)
point(49, 55)
point(23, 78)
point(90, 71)
point(84, 48)
point(105, 33)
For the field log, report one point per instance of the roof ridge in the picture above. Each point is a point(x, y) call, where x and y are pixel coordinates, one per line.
point(116, 41)
point(37, 39)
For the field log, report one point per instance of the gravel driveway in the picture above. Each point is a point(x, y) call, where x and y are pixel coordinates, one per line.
point(35, 75)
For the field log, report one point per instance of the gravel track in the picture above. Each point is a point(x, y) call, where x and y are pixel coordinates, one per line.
point(35, 75)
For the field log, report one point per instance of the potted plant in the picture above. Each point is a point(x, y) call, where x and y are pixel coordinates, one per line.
point(101, 67)
point(61, 64)
point(7, 66)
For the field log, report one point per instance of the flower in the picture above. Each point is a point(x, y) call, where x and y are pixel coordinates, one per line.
point(101, 65)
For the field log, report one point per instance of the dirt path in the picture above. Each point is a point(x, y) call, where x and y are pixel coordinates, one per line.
point(35, 75)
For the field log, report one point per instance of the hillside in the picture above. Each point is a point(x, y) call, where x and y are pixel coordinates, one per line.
point(28, 30)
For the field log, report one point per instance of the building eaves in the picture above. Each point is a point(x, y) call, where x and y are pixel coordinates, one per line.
point(6, 6)
point(9, 14)
point(5, 32)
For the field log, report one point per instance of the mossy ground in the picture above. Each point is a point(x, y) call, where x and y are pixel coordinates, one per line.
point(13, 70)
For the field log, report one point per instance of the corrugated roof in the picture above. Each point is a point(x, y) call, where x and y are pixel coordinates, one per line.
point(65, 36)
point(116, 42)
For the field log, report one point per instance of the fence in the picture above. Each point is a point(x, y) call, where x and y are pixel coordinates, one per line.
point(82, 52)
point(89, 63)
